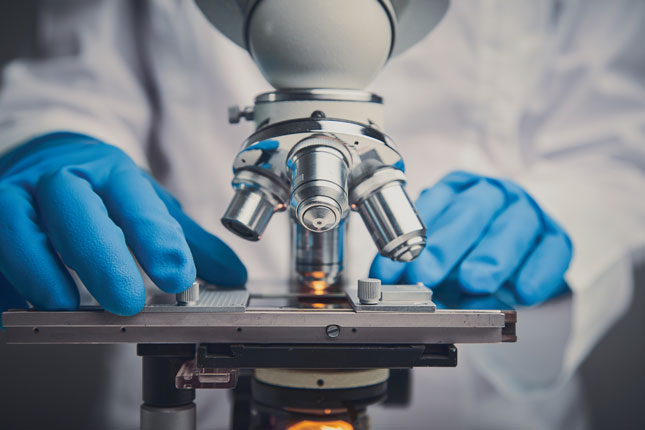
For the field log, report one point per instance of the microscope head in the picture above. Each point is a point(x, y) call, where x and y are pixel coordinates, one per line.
point(318, 150)
point(343, 44)
point(320, 153)
point(323, 44)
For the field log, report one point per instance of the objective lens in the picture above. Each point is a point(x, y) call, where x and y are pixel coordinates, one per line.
point(394, 223)
point(389, 215)
point(319, 185)
point(255, 201)
point(248, 214)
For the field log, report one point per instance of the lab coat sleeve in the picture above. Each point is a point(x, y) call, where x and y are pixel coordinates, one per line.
point(86, 76)
point(588, 172)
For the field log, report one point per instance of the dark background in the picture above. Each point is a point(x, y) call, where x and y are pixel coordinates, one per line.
point(613, 375)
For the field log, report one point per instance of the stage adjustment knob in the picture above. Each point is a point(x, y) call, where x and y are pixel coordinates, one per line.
point(369, 291)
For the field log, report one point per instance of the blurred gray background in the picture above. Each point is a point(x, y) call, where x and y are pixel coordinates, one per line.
point(613, 375)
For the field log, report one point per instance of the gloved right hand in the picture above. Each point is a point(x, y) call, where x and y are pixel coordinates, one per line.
point(488, 233)
point(70, 200)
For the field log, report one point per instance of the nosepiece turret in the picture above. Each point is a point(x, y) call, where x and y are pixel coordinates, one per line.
point(319, 167)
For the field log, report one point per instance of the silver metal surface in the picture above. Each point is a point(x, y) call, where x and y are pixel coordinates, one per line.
point(227, 316)
point(210, 300)
point(248, 214)
point(191, 376)
point(255, 326)
point(333, 331)
point(257, 197)
point(367, 110)
point(369, 291)
point(190, 296)
point(168, 418)
point(369, 148)
point(409, 293)
point(319, 214)
point(389, 215)
point(235, 114)
point(319, 172)
point(319, 95)
point(318, 256)
point(396, 298)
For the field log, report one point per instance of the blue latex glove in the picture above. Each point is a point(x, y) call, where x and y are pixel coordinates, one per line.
point(67, 199)
point(487, 233)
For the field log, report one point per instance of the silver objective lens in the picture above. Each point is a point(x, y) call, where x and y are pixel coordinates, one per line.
point(256, 199)
point(389, 215)
point(318, 184)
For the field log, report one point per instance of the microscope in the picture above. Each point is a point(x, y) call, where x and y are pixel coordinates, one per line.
point(321, 352)
point(319, 151)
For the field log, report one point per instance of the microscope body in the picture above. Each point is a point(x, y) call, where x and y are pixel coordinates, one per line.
point(319, 151)
point(317, 154)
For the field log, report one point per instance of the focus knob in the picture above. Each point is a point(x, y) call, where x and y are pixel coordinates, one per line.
point(369, 291)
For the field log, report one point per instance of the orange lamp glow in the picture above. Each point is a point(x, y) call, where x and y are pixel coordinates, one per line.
point(319, 287)
point(321, 425)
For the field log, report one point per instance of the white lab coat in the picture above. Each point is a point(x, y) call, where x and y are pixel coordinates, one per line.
point(550, 94)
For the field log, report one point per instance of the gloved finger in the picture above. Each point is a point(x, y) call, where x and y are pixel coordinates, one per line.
point(216, 263)
point(460, 179)
point(481, 302)
point(455, 231)
point(434, 200)
point(388, 271)
point(152, 234)
point(508, 240)
point(542, 275)
point(27, 259)
point(89, 242)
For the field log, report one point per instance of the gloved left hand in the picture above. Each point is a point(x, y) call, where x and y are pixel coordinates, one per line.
point(487, 232)
point(70, 200)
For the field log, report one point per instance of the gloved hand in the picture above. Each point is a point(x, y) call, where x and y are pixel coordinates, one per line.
point(67, 199)
point(486, 233)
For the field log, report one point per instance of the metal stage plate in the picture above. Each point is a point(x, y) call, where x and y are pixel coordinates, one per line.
point(239, 317)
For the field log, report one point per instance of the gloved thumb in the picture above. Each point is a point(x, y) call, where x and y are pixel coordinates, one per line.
point(216, 263)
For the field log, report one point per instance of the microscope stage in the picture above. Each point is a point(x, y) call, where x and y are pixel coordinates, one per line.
point(237, 316)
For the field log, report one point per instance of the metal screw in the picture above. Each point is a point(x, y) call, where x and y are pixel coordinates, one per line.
point(235, 113)
point(332, 331)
